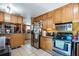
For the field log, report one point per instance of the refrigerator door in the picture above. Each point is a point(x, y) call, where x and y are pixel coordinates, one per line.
point(36, 40)
point(36, 35)
point(37, 32)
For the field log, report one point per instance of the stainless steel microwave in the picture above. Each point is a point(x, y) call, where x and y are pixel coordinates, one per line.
point(64, 26)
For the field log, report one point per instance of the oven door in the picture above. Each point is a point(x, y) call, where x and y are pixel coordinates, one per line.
point(67, 48)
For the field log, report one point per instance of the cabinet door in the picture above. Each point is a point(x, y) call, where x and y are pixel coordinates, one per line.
point(50, 23)
point(20, 39)
point(50, 14)
point(44, 24)
point(17, 40)
point(13, 19)
point(20, 19)
point(38, 18)
point(48, 45)
point(67, 13)
point(7, 17)
point(57, 16)
point(1, 16)
point(45, 16)
point(42, 43)
point(76, 11)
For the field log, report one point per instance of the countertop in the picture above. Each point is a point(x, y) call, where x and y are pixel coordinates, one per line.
point(47, 36)
point(11, 33)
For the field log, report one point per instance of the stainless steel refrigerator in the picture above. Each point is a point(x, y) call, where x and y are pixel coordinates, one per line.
point(37, 34)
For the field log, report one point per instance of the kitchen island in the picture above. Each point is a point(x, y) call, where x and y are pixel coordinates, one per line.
point(16, 40)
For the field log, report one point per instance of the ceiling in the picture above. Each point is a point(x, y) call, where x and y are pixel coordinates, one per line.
point(32, 9)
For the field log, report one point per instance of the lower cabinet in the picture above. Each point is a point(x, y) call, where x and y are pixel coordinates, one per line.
point(42, 43)
point(16, 40)
point(46, 44)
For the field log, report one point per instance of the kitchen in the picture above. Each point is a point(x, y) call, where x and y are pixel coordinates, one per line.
point(59, 30)
point(54, 32)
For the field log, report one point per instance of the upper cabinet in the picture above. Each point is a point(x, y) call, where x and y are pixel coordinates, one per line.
point(1, 16)
point(16, 19)
point(7, 17)
point(48, 24)
point(50, 14)
point(76, 12)
point(10, 18)
point(67, 13)
point(57, 16)
point(45, 16)
point(19, 20)
point(13, 19)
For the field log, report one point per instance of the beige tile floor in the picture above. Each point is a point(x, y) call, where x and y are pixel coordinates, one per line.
point(28, 50)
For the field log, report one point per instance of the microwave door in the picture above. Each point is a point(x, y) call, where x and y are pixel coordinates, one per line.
point(61, 27)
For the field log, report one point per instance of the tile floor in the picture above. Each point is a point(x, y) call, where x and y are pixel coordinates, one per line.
point(28, 50)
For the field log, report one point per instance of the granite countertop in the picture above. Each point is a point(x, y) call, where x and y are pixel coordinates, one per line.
point(47, 36)
point(11, 33)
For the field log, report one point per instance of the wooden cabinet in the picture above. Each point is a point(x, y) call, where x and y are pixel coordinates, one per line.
point(16, 19)
point(67, 13)
point(46, 44)
point(45, 16)
point(20, 20)
point(41, 17)
point(38, 19)
point(50, 14)
point(7, 17)
point(76, 12)
point(48, 24)
point(42, 43)
point(33, 20)
point(57, 16)
point(1, 16)
point(16, 40)
point(13, 19)
point(75, 26)
point(44, 24)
